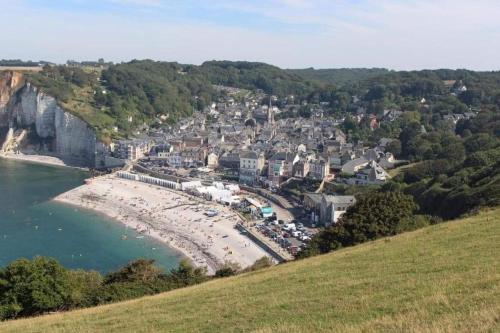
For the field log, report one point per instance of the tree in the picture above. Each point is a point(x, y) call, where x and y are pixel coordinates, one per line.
point(394, 147)
point(408, 136)
point(454, 151)
point(137, 270)
point(186, 275)
point(480, 141)
point(84, 285)
point(410, 117)
point(228, 269)
point(305, 112)
point(33, 287)
point(261, 263)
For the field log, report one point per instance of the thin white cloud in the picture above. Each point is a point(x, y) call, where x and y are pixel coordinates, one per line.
point(373, 33)
point(296, 3)
point(143, 3)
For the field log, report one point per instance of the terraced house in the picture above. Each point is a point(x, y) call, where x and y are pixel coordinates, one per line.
point(251, 166)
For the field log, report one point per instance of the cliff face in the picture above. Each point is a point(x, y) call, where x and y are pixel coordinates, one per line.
point(62, 134)
point(9, 81)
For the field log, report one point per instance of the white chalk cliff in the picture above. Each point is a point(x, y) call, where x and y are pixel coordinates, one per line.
point(63, 134)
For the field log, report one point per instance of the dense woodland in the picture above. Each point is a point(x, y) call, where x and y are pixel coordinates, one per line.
point(338, 76)
point(253, 75)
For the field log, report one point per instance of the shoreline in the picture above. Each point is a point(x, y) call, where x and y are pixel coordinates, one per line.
point(173, 218)
point(38, 159)
point(178, 253)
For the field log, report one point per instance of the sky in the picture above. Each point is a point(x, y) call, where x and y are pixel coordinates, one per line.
point(395, 34)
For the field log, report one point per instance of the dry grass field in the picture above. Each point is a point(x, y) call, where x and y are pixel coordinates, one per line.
point(444, 278)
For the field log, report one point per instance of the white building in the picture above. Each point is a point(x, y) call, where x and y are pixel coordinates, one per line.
point(213, 160)
point(333, 207)
point(372, 174)
point(132, 150)
point(251, 165)
point(190, 185)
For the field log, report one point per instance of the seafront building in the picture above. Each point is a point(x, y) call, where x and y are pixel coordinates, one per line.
point(251, 166)
point(149, 180)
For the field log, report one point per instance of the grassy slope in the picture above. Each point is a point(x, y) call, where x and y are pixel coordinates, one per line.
point(82, 106)
point(442, 278)
point(394, 172)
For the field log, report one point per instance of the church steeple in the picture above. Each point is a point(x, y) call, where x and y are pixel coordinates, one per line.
point(270, 113)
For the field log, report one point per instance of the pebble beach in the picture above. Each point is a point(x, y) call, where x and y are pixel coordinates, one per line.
point(176, 219)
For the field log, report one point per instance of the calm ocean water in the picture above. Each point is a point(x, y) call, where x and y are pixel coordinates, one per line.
point(30, 224)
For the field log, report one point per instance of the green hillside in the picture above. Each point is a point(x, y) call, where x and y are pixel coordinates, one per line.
point(121, 98)
point(117, 99)
point(338, 76)
point(256, 75)
point(444, 278)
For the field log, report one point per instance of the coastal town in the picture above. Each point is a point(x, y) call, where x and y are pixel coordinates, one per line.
point(249, 166)
point(240, 176)
point(249, 175)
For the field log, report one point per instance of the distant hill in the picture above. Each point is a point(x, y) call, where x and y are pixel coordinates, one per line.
point(338, 76)
point(117, 99)
point(21, 63)
point(443, 278)
point(256, 75)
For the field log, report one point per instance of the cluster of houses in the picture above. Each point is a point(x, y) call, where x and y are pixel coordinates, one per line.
point(245, 142)
point(131, 150)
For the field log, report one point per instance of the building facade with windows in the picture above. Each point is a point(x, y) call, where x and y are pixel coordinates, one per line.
point(251, 166)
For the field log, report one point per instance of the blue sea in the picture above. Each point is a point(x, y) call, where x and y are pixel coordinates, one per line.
point(31, 224)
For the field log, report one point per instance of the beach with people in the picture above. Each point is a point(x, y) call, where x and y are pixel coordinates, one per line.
point(181, 221)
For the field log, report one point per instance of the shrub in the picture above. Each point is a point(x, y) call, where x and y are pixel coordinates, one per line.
point(33, 287)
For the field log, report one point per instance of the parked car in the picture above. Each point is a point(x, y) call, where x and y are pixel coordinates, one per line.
point(305, 238)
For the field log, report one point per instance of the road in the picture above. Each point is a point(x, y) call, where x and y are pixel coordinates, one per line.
point(281, 213)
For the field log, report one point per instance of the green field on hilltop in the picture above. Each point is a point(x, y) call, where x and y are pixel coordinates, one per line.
point(444, 278)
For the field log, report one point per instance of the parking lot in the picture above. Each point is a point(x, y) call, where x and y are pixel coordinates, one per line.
point(290, 236)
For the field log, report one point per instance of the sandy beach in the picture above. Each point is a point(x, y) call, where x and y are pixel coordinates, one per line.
point(173, 217)
point(40, 159)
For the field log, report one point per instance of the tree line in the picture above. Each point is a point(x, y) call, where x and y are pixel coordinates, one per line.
point(42, 285)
